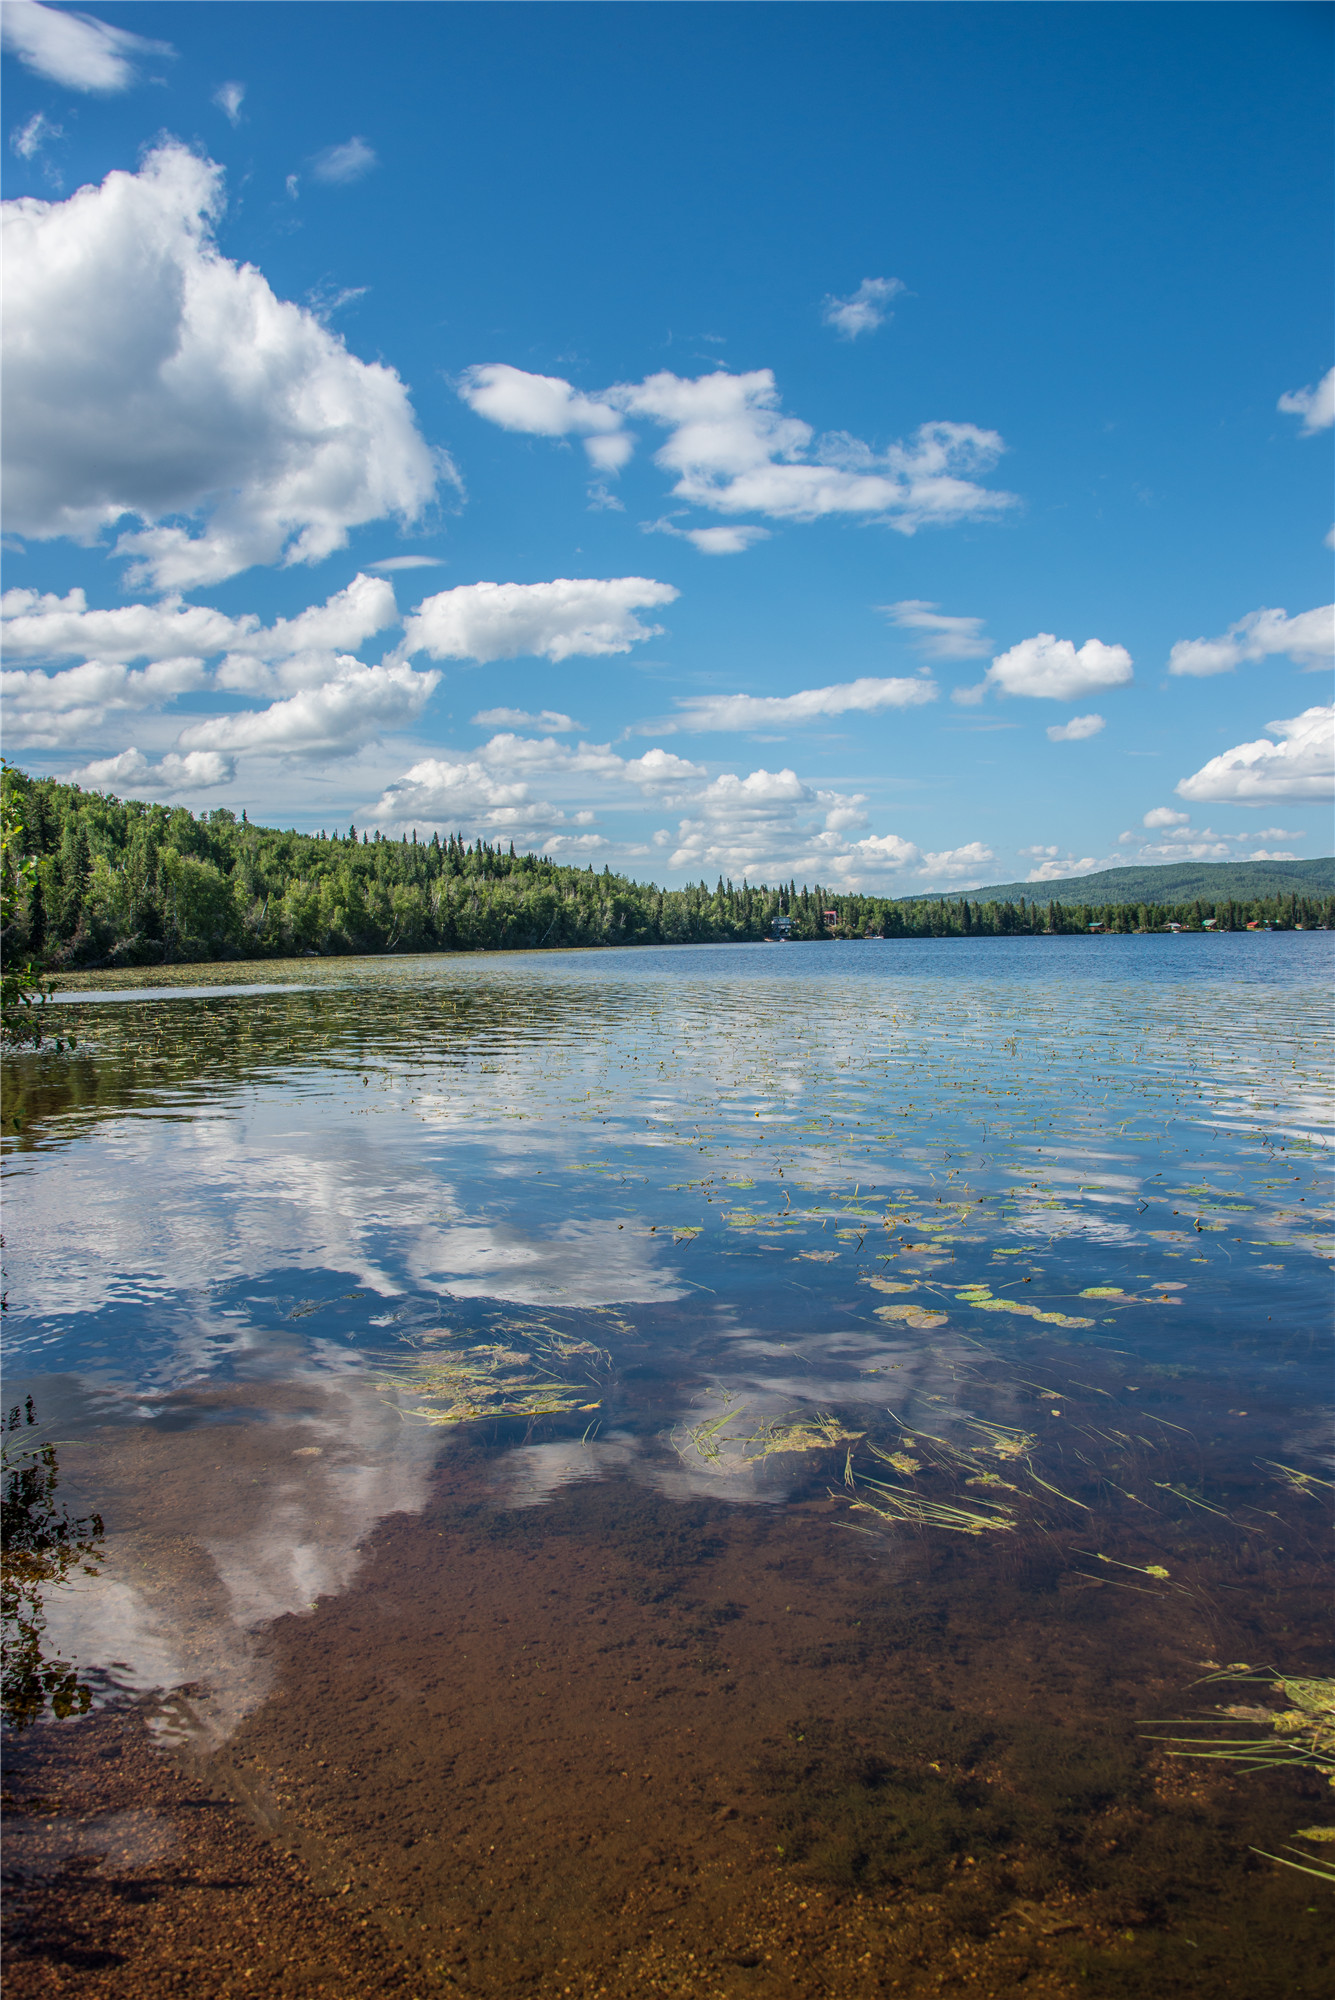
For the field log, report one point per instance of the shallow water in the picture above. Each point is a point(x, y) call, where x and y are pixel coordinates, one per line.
point(696, 1470)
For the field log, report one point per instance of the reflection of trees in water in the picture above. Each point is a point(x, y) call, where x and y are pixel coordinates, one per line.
point(39, 1547)
point(175, 1054)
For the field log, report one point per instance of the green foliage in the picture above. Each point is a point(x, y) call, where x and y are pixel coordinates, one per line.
point(92, 880)
point(21, 986)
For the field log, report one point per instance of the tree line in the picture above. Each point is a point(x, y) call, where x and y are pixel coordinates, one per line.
point(93, 881)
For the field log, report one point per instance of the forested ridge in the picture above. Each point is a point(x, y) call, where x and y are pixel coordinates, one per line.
point(123, 882)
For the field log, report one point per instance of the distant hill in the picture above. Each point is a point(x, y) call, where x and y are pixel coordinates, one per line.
point(1174, 882)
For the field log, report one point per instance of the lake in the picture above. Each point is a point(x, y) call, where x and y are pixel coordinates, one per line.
point(710, 1470)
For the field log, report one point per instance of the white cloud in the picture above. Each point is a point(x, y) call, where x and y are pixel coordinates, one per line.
point(955, 863)
point(297, 652)
point(44, 711)
point(889, 850)
point(1180, 841)
point(28, 140)
point(1076, 730)
point(609, 454)
point(731, 449)
point(1307, 638)
point(339, 716)
point(452, 791)
point(661, 767)
point(863, 310)
point(519, 718)
point(734, 451)
point(1300, 764)
point(73, 49)
point(489, 789)
point(764, 824)
point(336, 166)
point(941, 636)
point(228, 98)
point(1315, 406)
point(198, 771)
point(734, 540)
point(749, 711)
point(557, 620)
point(1053, 669)
point(392, 563)
point(771, 825)
point(42, 626)
point(548, 406)
point(146, 374)
point(1056, 867)
point(46, 627)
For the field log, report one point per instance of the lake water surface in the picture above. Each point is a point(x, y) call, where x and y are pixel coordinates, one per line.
point(683, 1471)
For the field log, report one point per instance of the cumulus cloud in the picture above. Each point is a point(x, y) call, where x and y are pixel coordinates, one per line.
point(1178, 840)
point(1188, 843)
point(228, 98)
point(750, 711)
point(1053, 669)
point(198, 771)
point(1076, 730)
point(762, 824)
point(74, 49)
point(466, 792)
point(569, 616)
point(27, 140)
point(45, 711)
point(334, 718)
point(337, 166)
point(731, 449)
point(1054, 866)
point(938, 634)
point(863, 310)
point(147, 375)
point(1316, 406)
point(549, 719)
point(300, 651)
point(42, 626)
point(547, 406)
point(490, 789)
point(46, 627)
point(1308, 638)
point(734, 540)
point(955, 863)
point(770, 824)
point(1298, 764)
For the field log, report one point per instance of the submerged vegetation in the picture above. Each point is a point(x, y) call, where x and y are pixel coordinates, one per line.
point(93, 880)
point(536, 1372)
point(1301, 1734)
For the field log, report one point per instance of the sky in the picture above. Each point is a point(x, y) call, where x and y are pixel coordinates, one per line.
point(883, 445)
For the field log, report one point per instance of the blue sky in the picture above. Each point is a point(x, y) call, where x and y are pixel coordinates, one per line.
point(882, 444)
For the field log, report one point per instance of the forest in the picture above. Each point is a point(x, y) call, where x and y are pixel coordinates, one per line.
point(95, 881)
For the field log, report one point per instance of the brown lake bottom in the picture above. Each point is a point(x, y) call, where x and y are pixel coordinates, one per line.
point(626, 1745)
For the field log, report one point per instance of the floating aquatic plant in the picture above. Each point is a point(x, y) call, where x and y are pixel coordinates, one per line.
point(708, 1442)
point(470, 1384)
point(1301, 1734)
